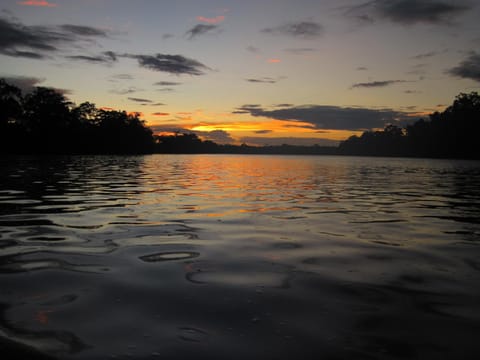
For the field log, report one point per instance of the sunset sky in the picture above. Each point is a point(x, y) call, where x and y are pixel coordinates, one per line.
point(257, 72)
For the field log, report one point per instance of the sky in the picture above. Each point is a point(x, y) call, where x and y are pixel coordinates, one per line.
point(258, 72)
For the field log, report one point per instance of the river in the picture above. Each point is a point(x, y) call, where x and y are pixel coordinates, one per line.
point(239, 257)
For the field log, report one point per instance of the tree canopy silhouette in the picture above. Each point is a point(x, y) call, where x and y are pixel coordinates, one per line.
point(44, 121)
point(453, 133)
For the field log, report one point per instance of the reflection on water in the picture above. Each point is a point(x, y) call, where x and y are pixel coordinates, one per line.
point(239, 257)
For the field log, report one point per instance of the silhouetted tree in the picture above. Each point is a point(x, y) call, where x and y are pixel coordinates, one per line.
point(44, 121)
point(452, 133)
point(10, 115)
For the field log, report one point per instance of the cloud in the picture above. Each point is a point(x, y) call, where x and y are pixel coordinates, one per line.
point(140, 100)
point(200, 29)
point(215, 20)
point(35, 42)
point(107, 57)
point(274, 61)
point(361, 68)
point(469, 68)
point(376, 84)
point(263, 80)
point(301, 51)
point(283, 105)
point(173, 64)
point(263, 131)
point(83, 30)
point(160, 114)
point(303, 29)
point(331, 117)
point(167, 83)
point(42, 3)
point(217, 136)
point(121, 77)
point(408, 12)
point(424, 55)
point(253, 49)
point(24, 83)
point(125, 91)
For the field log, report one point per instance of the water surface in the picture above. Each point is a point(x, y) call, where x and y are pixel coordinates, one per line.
point(234, 257)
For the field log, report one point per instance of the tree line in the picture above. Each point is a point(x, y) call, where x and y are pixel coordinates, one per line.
point(45, 122)
point(453, 133)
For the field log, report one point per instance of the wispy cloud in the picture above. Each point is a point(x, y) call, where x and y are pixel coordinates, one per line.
point(140, 100)
point(253, 49)
point(409, 12)
point(303, 29)
point(214, 20)
point(274, 61)
point(39, 42)
point(42, 3)
point(160, 114)
point(200, 29)
point(301, 51)
point(376, 84)
point(173, 64)
point(424, 55)
point(469, 68)
point(107, 57)
point(263, 80)
point(167, 83)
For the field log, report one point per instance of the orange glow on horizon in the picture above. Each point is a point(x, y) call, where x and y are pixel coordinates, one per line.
point(274, 61)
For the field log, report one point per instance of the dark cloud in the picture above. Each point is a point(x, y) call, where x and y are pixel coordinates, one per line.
point(409, 12)
point(35, 42)
point(469, 68)
point(376, 84)
point(200, 29)
point(217, 136)
point(303, 29)
point(283, 105)
point(24, 83)
point(263, 131)
point(263, 80)
point(107, 57)
point(160, 114)
point(125, 91)
point(173, 64)
point(361, 68)
point(410, 92)
point(277, 141)
point(253, 49)
point(332, 117)
point(301, 51)
point(140, 100)
point(84, 30)
point(167, 83)
point(424, 55)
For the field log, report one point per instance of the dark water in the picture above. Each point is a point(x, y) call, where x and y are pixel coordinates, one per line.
point(240, 257)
